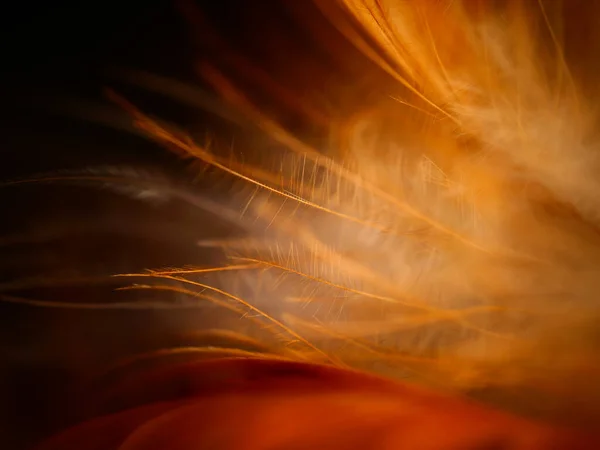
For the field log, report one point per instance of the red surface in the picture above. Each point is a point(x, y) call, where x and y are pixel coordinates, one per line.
point(272, 404)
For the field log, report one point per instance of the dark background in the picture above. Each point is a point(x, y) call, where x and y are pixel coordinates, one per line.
point(56, 56)
point(58, 59)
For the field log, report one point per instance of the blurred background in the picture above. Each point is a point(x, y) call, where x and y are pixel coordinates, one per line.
point(58, 61)
point(55, 58)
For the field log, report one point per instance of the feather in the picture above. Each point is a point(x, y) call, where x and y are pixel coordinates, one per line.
point(446, 235)
point(454, 243)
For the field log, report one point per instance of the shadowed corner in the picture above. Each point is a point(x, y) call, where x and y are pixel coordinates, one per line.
point(64, 319)
point(63, 243)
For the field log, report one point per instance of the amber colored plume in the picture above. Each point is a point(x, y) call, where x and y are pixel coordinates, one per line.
point(447, 234)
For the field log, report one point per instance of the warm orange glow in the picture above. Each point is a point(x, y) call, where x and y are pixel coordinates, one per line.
point(447, 235)
point(268, 404)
